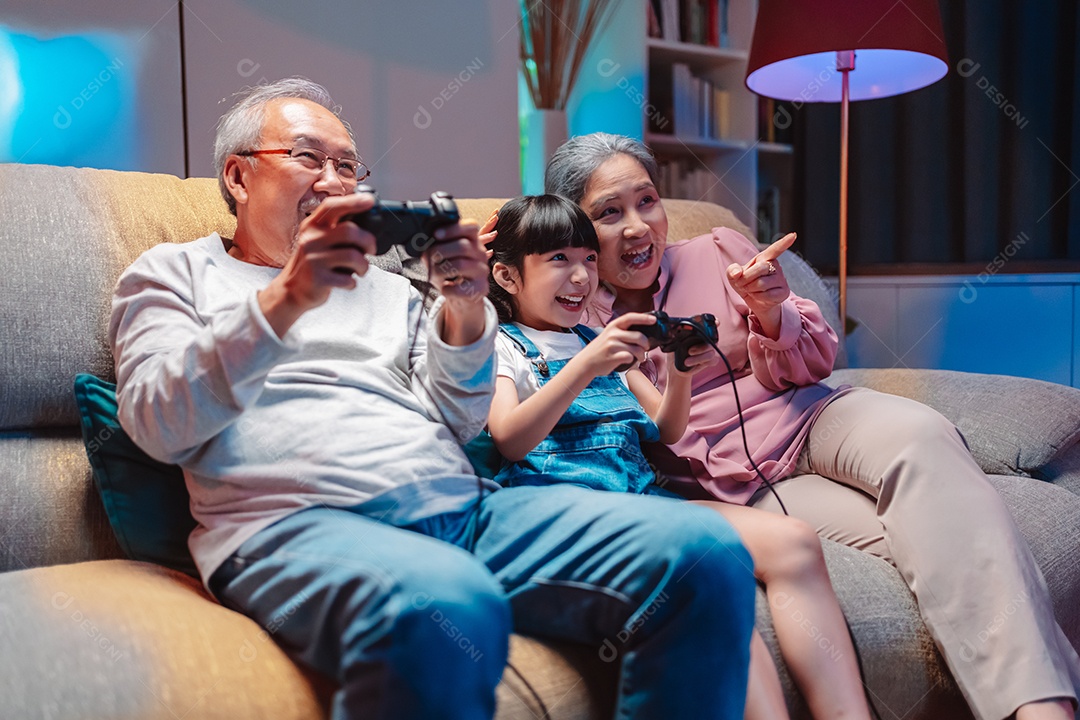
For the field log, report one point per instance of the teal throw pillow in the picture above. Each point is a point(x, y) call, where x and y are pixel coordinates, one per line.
point(483, 455)
point(146, 501)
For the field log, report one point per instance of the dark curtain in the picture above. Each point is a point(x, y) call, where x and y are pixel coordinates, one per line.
point(980, 169)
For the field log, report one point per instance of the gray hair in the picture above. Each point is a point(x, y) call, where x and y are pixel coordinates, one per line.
point(240, 127)
point(575, 161)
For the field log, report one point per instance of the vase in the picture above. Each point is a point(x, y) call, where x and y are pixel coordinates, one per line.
point(545, 131)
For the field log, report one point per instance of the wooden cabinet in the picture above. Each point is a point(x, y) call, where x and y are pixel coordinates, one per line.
point(953, 322)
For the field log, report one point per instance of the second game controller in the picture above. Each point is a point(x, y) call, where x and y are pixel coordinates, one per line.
point(678, 334)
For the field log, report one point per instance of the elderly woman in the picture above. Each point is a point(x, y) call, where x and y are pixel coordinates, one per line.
point(877, 472)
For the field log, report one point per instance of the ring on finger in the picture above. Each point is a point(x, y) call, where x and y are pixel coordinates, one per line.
point(772, 268)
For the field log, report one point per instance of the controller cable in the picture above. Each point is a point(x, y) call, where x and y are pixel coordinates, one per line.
point(424, 291)
point(420, 318)
point(734, 389)
point(749, 456)
point(746, 447)
point(742, 425)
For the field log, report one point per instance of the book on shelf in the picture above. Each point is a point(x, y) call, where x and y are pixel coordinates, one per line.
point(683, 101)
point(694, 21)
point(706, 115)
point(699, 108)
point(653, 12)
point(686, 179)
point(775, 120)
point(723, 28)
point(712, 23)
point(721, 113)
point(700, 22)
point(669, 20)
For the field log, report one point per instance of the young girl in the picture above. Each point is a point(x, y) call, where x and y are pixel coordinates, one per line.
point(563, 413)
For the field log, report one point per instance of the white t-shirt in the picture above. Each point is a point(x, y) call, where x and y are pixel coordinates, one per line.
point(552, 344)
point(361, 399)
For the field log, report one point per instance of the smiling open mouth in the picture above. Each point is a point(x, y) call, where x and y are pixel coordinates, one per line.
point(570, 302)
point(638, 259)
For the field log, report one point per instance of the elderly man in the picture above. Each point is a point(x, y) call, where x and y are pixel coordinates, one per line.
point(317, 412)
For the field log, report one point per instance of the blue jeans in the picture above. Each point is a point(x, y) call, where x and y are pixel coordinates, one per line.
point(414, 626)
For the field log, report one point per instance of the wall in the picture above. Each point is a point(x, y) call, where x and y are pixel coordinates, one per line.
point(91, 83)
point(430, 89)
point(610, 90)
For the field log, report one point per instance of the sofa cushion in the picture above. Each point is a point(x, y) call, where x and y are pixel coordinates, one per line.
point(1049, 518)
point(62, 260)
point(1064, 470)
point(806, 283)
point(902, 670)
point(51, 512)
point(121, 639)
point(1013, 425)
point(146, 500)
point(555, 681)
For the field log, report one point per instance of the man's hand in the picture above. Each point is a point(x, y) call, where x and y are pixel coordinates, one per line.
point(458, 269)
point(328, 253)
point(762, 285)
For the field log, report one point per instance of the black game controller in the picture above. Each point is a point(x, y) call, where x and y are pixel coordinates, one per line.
point(411, 225)
point(678, 334)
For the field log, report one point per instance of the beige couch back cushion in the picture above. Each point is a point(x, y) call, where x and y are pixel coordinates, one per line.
point(67, 235)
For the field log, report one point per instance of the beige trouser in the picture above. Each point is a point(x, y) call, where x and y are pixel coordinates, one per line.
point(941, 523)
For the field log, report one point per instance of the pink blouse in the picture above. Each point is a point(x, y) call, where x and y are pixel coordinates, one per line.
point(777, 380)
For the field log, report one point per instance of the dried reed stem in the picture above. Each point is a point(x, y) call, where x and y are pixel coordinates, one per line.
point(555, 35)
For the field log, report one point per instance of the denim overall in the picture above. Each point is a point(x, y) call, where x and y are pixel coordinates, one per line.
point(597, 441)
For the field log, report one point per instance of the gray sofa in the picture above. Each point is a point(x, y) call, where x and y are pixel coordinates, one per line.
point(87, 633)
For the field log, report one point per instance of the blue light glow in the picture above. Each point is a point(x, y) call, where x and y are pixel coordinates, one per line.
point(68, 100)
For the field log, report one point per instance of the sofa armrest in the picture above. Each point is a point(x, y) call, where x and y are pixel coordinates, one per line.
point(1014, 426)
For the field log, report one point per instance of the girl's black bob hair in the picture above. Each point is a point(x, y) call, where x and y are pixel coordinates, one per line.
point(535, 225)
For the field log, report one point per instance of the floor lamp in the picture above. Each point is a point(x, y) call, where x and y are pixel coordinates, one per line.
point(840, 51)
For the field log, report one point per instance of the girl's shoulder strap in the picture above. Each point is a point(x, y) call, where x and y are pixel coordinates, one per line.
point(526, 346)
point(586, 333)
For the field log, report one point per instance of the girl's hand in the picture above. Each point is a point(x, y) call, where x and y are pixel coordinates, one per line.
point(617, 345)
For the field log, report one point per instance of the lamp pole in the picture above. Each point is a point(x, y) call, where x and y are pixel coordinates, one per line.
point(845, 63)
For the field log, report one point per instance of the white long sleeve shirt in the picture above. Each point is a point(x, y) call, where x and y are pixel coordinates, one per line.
point(361, 398)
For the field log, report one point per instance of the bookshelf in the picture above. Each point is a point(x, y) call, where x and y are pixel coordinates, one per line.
point(687, 101)
point(721, 144)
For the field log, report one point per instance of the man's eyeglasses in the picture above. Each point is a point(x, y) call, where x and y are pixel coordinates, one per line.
point(312, 159)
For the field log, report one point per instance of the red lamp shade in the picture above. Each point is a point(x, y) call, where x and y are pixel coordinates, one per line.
point(899, 46)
